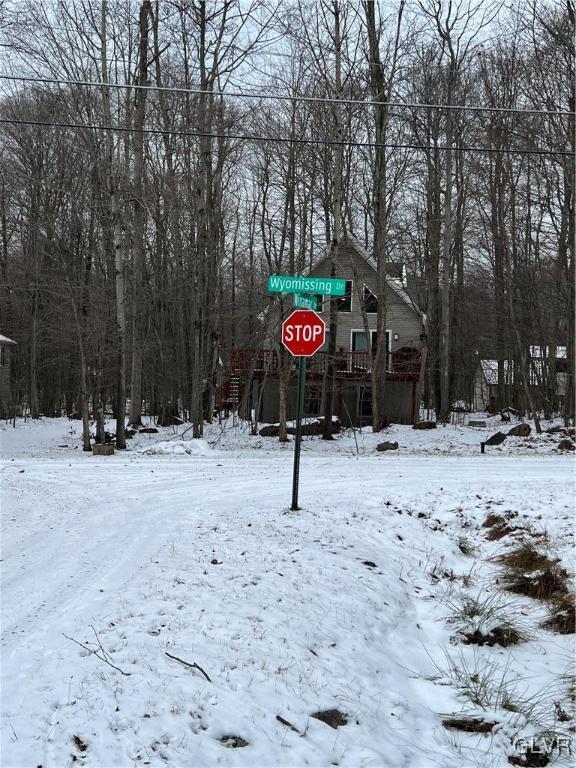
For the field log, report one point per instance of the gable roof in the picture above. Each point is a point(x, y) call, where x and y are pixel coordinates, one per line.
point(394, 273)
point(6, 340)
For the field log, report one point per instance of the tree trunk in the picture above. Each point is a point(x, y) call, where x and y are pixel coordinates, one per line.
point(139, 221)
point(330, 373)
point(445, 405)
point(380, 89)
point(117, 245)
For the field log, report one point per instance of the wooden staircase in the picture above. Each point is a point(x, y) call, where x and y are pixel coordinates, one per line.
point(228, 395)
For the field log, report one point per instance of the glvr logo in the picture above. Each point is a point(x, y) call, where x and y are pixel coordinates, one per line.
point(556, 744)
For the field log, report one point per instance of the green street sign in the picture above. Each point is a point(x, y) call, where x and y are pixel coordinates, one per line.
point(327, 286)
point(301, 301)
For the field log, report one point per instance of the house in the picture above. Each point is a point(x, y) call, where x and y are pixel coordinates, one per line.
point(353, 396)
point(403, 318)
point(547, 374)
point(6, 346)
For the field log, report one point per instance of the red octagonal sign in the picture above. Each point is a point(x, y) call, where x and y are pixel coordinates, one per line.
point(303, 333)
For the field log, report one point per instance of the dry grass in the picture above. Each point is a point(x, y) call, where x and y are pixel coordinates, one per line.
point(486, 620)
point(562, 617)
point(492, 520)
point(499, 531)
point(532, 573)
point(544, 585)
point(466, 547)
point(525, 558)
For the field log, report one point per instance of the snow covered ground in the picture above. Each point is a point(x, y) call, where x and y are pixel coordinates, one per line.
point(188, 548)
point(57, 438)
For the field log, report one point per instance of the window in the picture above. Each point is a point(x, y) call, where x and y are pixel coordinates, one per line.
point(344, 303)
point(2, 356)
point(319, 302)
point(370, 302)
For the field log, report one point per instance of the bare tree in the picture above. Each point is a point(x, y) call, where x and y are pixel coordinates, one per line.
point(381, 84)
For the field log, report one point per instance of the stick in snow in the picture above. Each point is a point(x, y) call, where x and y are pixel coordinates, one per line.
point(288, 724)
point(187, 664)
point(95, 653)
point(99, 643)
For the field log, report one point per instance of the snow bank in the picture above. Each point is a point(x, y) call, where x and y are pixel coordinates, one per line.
point(179, 448)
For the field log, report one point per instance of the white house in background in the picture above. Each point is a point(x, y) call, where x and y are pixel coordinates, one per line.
point(486, 378)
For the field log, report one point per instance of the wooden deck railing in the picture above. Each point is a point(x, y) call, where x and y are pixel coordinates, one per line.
point(347, 364)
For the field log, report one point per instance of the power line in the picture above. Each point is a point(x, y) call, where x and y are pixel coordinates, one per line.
point(283, 97)
point(282, 139)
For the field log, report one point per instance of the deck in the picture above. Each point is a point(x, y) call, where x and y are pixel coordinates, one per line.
point(403, 366)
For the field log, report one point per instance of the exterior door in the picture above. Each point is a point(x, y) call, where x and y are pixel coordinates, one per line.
point(359, 342)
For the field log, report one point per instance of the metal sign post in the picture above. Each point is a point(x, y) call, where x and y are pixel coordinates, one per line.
point(298, 439)
point(303, 334)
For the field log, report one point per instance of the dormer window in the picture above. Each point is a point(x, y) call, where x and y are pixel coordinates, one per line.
point(370, 301)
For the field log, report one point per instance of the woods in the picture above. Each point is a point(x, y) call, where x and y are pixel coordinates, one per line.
point(159, 160)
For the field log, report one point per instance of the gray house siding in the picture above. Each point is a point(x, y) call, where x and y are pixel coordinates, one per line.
point(400, 396)
point(403, 321)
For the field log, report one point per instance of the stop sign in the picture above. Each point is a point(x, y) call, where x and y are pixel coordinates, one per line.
point(303, 333)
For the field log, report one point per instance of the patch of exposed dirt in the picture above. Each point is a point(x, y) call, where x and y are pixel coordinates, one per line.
point(332, 717)
point(469, 724)
point(502, 635)
point(233, 742)
point(532, 758)
point(80, 745)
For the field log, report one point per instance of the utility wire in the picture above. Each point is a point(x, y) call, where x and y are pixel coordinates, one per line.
point(282, 97)
point(281, 139)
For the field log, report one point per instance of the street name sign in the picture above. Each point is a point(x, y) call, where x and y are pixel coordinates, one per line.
point(326, 286)
point(302, 301)
point(303, 333)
